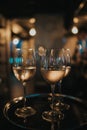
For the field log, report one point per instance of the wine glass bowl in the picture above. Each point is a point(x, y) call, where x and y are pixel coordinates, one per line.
point(52, 70)
point(24, 69)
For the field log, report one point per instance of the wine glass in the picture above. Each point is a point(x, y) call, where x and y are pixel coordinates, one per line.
point(52, 70)
point(24, 69)
point(60, 105)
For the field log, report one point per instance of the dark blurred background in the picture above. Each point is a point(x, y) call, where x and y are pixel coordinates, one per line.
point(29, 8)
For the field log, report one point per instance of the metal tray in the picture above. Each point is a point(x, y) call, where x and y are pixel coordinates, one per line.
point(74, 118)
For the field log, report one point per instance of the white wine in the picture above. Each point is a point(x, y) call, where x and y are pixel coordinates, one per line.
point(24, 73)
point(52, 76)
point(67, 70)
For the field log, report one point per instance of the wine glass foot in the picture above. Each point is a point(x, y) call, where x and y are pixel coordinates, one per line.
point(25, 112)
point(61, 106)
point(51, 116)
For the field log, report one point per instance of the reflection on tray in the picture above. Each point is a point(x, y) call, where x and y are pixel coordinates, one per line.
point(73, 118)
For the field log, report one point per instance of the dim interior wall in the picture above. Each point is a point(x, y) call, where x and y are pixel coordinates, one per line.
point(50, 30)
point(50, 33)
point(71, 43)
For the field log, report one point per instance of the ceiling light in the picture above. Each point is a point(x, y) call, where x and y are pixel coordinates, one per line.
point(32, 32)
point(74, 30)
point(75, 20)
point(32, 20)
point(15, 41)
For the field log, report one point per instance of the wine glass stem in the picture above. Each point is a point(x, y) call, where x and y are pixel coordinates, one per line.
point(60, 92)
point(53, 95)
point(60, 82)
point(24, 86)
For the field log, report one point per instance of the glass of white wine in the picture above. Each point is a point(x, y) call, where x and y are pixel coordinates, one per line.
point(52, 70)
point(24, 69)
point(60, 105)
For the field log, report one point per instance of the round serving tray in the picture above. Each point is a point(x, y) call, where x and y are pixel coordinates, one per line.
point(74, 118)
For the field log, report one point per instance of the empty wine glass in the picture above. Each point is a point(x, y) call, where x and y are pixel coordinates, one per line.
point(24, 69)
point(60, 105)
point(52, 70)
